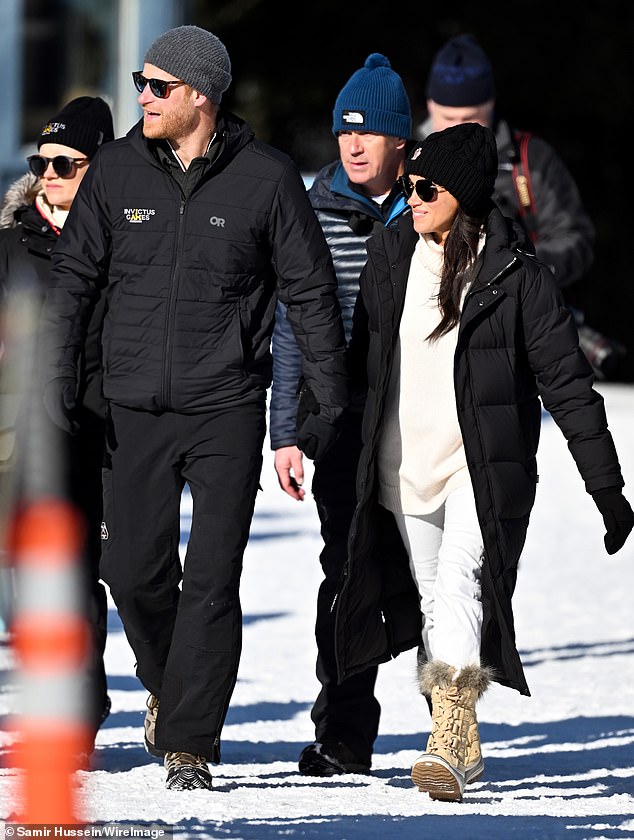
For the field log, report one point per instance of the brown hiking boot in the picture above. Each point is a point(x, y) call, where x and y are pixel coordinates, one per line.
point(149, 726)
point(186, 772)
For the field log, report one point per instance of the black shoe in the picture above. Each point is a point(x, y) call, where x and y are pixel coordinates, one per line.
point(107, 706)
point(330, 758)
point(186, 772)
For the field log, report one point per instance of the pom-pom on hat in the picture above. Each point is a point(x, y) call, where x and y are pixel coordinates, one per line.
point(462, 159)
point(195, 56)
point(373, 99)
point(461, 74)
point(83, 124)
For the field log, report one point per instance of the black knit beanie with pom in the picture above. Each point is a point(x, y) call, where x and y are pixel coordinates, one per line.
point(462, 159)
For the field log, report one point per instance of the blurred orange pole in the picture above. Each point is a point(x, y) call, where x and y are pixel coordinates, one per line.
point(52, 642)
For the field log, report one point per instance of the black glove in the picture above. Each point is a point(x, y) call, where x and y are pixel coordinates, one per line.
point(315, 435)
point(59, 402)
point(617, 516)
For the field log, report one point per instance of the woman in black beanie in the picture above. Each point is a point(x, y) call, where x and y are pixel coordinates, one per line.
point(460, 333)
point(32, 214)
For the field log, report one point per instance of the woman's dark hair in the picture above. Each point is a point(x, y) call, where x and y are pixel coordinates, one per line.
point(460, 252)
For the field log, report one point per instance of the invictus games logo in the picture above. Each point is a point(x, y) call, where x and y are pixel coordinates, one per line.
point(53, 128)
point(137, 214)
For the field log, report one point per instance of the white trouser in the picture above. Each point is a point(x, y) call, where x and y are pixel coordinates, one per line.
point(445, 551)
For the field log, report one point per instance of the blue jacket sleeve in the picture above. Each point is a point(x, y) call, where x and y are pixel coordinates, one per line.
point(287, 368)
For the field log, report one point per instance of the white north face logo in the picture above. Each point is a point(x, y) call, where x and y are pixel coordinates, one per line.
point(353, 117)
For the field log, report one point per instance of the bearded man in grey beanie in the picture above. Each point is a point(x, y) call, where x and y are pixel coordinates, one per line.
point(194, 229)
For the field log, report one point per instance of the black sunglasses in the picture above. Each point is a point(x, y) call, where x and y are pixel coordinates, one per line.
point(159, 87)
point(63, 165)
point(425, 190)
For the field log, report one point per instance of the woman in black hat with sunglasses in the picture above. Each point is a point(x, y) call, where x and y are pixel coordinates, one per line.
point(32, 215)
point(460, 333)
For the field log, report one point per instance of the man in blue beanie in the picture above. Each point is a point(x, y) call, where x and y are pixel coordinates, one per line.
point(461, 88)
point(353, 196)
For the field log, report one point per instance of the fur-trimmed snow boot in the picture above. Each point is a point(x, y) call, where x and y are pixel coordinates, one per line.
point(454, 744)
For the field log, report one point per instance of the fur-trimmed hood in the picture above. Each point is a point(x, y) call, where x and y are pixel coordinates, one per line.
point(21, 193)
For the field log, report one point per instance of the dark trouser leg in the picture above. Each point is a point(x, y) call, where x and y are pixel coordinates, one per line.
point(222, 467)
point(140, 560)
point(348, 712)
point(87, 460)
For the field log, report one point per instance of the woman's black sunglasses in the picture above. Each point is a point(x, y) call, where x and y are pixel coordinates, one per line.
point(63, 165)
point(159, 87)
point(425, 190)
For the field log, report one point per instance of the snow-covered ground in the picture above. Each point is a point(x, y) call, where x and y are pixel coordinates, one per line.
point(559, 764)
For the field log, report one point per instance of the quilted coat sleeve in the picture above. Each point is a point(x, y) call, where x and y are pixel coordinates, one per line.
point(287, 368)
point(79, 273)
point(307, 287)
point(565, 380)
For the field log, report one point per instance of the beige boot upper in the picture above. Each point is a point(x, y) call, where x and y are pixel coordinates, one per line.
point(454, 742)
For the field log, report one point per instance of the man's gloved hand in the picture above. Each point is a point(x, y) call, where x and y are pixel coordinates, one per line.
point(315, 435)
point(59, 402)
point(617, 516)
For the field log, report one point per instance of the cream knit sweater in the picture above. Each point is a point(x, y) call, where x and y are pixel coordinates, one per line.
point(421, 458)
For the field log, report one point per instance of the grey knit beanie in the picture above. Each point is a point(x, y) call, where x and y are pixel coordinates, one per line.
point(195, 56)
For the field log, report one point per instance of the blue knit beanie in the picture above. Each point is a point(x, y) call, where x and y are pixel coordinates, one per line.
point(373, 99)
point(461, 74)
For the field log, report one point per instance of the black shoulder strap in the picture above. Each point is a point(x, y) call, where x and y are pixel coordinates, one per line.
point(522, 183)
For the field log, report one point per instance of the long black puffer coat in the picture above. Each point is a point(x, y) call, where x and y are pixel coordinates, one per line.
point(516, 343)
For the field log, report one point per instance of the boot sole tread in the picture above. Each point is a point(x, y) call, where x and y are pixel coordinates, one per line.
point(437, 780)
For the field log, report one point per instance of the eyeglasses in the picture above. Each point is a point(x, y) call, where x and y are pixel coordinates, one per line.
point(159, 87)
point(63, 165)
point(425, 190)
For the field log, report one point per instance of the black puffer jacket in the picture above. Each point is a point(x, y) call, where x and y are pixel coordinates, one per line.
point(516, 343)
point(27, 241)
point(192, 282)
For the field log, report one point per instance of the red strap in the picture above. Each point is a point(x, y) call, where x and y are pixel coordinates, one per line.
point(522, 183)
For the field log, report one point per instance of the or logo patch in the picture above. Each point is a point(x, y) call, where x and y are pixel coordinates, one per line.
point(53, 128)
point(136, 215)
point(217, 221)
point(353, 117)
point(104, 531)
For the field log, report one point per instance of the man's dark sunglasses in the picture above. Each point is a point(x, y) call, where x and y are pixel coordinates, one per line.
point(63, 165)
point(425, 190)
point(159, 87)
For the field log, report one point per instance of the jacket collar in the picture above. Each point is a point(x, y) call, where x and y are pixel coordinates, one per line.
point(20, 194)
point(236, 133)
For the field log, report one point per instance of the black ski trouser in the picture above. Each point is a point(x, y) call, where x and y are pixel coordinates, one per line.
point(349, 711)
point(86, 459)
point(187, 640)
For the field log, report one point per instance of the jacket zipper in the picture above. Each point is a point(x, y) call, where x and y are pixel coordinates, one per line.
point(168, 344)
